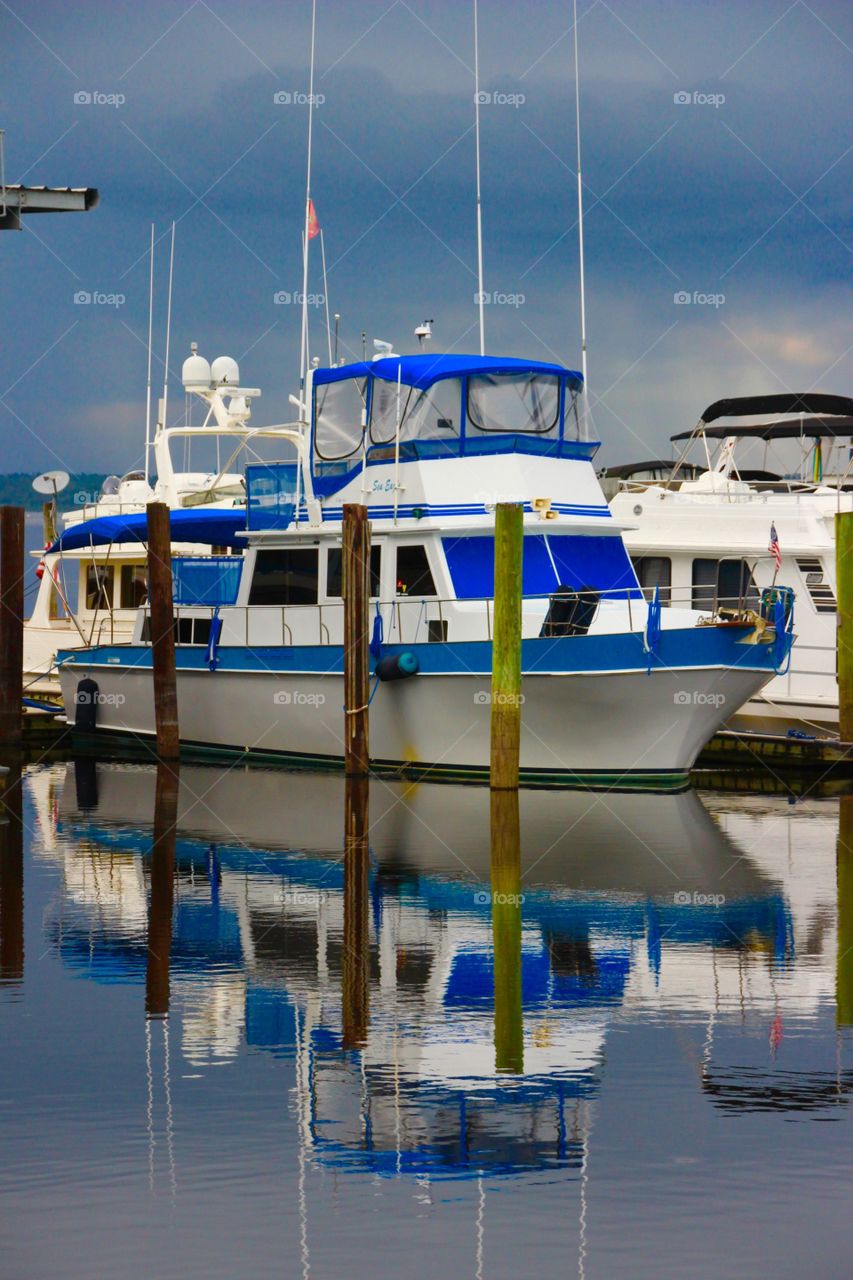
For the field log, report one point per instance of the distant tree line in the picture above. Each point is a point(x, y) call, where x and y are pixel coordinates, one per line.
point(16, 490)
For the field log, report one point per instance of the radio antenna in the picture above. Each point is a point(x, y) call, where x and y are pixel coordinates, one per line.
point(580, 227)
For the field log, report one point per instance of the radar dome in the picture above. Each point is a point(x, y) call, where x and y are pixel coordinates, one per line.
point(225, 372)
point(196, 373)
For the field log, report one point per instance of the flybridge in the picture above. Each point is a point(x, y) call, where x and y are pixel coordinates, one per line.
point(418, 407)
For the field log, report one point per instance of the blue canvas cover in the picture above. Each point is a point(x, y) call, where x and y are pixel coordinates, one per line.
point(214, 527)
point(422, 371)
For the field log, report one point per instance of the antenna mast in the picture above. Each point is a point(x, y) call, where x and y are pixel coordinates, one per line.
point(480, 295)
point(303, 357)
point(580, 226)
point(150, 337)
point(168, 332)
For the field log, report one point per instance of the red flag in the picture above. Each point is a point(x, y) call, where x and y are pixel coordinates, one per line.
point(313, 223)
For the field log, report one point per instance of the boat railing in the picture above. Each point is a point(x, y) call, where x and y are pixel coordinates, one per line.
point(429, 619)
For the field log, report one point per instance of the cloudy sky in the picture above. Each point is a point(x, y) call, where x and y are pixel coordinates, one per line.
point(718, 166)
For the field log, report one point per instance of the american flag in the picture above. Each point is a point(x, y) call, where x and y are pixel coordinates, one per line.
point(773, 548)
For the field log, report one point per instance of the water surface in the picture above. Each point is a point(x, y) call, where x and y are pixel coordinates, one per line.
point(604, 1037)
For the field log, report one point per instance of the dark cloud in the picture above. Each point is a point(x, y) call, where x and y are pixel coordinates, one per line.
point(747, 199)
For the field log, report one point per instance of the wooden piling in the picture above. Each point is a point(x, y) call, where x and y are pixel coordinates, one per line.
point(11, 622)
point(506, 646)
point(162, 629)
point(355, 968)
point(506, 931)
point(356, 590)
point(844, 636)
point(157, 986)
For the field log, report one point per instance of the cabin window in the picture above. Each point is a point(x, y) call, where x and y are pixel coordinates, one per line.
point(413, 576)
point(334, 571)
point(134, 586)
point(424, 415)
point(285, 576)
point(723, 582)
point(654, 571)
point(100, 586)
point(519, 403)
point(339, 418)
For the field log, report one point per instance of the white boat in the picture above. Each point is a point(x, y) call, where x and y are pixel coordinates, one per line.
point(702, 533)
point(91, 588)
point(616, 691)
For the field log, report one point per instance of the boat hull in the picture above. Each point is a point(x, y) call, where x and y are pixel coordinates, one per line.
point(624, 728)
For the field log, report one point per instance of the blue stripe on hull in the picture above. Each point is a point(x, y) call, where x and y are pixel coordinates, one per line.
point(681, 649)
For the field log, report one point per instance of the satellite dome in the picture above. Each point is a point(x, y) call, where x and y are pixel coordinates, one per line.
point(196, 373)
point(225, 372)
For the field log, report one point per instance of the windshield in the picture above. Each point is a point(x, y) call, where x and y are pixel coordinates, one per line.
point(515, 403)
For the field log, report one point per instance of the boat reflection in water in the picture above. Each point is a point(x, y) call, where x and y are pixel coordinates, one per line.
point(447, 997)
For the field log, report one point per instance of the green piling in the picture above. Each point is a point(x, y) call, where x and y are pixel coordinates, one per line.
point(506, 646)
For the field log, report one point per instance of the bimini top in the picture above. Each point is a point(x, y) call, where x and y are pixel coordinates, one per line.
point(214, 527)
point(421, 371)
point(787, 429)
point(811, 402)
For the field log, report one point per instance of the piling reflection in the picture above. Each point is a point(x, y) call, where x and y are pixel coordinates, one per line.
point(441, 1023)
point(12, 877)
point(162, 890)
point(844, 871)
point(356, 948)
point(506, 931)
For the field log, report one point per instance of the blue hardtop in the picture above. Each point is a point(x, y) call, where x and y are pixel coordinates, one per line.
point(422, 370)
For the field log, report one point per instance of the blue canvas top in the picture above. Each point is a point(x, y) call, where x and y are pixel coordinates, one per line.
point(215, 527)
point(422, 371)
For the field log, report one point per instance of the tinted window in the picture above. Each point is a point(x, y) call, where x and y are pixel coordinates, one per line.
point(654, 571)
point(134, 586)
point(413, 577)
point(334, 571)
point(285, 577)
point(723, 582)
point(100, 580)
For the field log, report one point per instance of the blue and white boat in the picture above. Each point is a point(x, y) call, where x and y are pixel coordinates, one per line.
point(617, 691)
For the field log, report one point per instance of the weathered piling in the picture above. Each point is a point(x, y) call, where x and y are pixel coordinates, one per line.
point(157, 986)
point(355, 969)
point(162, 630)
point(844, 879)
point(11, 622)
point(356, 590)
point(506, 930)
point(506, 646)
point(844, 636)
point(12, 877)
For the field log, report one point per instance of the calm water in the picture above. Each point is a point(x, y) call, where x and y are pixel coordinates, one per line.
point(230, 1057)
